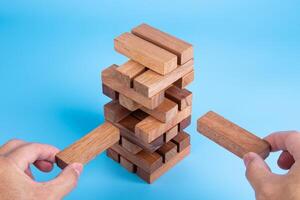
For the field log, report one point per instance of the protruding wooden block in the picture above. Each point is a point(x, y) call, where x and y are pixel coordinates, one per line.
point(170, 134)
point(146, 53)
point(167, 151)
point(150, 83)
point(151, 177)
point(113, 155)
point(145, 160)
point(184, 123)
point(182, 49)
point(129, 146)
point(185, 80)
point(110, 92)
point(182, 97)
point(108, 78)
point(127, 164)
point(89, 146)
point(128, 103)
point(150, 128)
point(114, 112)
point(128, 71)
point(232, 137)
point(182, 140)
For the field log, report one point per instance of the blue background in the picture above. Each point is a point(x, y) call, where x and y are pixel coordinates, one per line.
point(247, 68)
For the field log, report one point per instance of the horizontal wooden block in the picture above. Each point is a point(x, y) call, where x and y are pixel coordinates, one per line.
point(128, 103)
point(184, 123)
point(150, 83)
point(139, 114)
point(114, 112)
point(167, 151)
point(182, 140)
point(127, 165)
point(108, 78)
point(170, 134)
point(150, 128)
point(89, 146)
point(129, 146)
point(128, 71)
point(145, 160)
point(182, 97)
point(109, 92)
point(165, 112)
point(185, 80)
point(151, 177)
point(232, 137)
point(113, 155)
point(182, 49)
point(146, 53)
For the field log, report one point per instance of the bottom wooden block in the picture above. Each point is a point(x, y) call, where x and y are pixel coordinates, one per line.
point(151, 177)
point(113, 155)
point(127, 165)
point(182, 140)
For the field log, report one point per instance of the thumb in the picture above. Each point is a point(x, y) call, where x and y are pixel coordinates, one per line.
point(66, 181)
point(257, 170)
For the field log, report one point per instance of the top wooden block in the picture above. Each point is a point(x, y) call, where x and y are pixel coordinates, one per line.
point(183, 50)
point(146, 53)
point(232, 137)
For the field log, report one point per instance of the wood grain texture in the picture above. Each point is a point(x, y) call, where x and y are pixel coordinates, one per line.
point(110, 92)
point(230, 136)
point(184, 123)
point(185, 80)
point(165, 112)
point(151, 177)
point(129, 166)
point(167, 151)
point(182, 140)
point(126, 72)
point(145, 160)
point(128, 103)
point(182, 49)
point(139, 114)
point(113, 155)
point(114, 112)
point(151, 83)
point(182, 97)
point(89, 146)
point(108, 78)
point(150, 128)
point(146, 53)
point(129, 146)
point(170, 134)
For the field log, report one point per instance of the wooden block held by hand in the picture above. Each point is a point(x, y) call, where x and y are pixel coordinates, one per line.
point(89, 146)
point(232, 137)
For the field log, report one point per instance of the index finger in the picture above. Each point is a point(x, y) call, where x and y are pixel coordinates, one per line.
point(286, 141)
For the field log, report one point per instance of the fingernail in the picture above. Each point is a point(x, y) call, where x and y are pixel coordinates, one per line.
point(248, 158)
point(77, 167)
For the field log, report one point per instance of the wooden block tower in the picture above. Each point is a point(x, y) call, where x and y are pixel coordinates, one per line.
point(150, 104)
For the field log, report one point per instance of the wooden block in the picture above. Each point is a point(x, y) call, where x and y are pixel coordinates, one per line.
point(230, 136)
point(89, 146)
point(129, 122)
point(113, 155)
point(165, 112)
point(151, 177)
point(109, 92)
point(129, 146)
point(182, 140)
point(184, 123)
point(129, 70)
point(185, 80)
point(127, 165)
point(114, 112)
point(108, 78)
point(146, 53)
point(128, 103)
point(150, 128)
point(182, 49)
point(145, 160)
point(182, 97)
point(170, 134)
point(139, 114)
point(167, 151)
point(150, 83)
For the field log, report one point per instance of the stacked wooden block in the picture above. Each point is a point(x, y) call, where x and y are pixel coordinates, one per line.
point(150, 104)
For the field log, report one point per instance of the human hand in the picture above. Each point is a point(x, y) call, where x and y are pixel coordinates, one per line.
point(270, 186)
point(16, 179)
